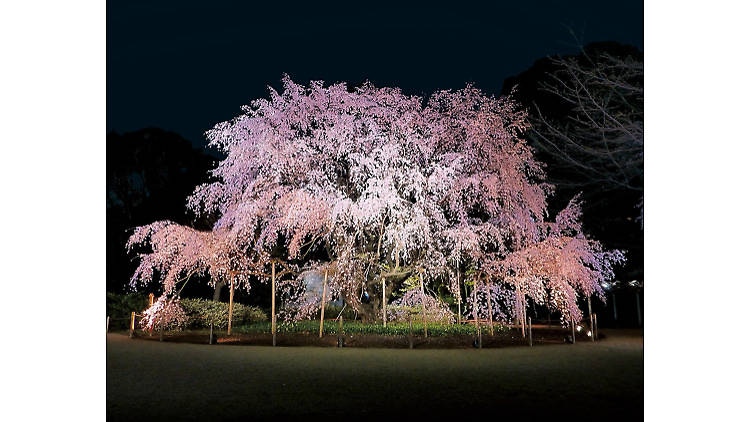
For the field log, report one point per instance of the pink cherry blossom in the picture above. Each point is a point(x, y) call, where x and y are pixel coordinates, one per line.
point(373, 186)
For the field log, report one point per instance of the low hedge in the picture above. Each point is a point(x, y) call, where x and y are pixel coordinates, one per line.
point(360, 328)
point(120, 306)
point(202, 312)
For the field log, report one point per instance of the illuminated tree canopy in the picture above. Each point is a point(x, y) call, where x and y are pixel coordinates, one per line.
point(375, 187)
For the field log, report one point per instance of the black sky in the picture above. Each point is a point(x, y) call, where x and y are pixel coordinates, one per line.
point(185, 67)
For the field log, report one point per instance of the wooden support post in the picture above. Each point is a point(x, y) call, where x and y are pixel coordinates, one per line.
point(614, 305)
point(273, 302)
point(638, 308)
point(150, 300)
point(596, 329)
point(458, 285)
point(549, 318)
point(341, 330)
point(323, 303)
point(384, 302)
point(231, 305)
point(521, 311)
point(211, 334)
point(132, 324)
point(489, 309)
point(107, 323)
point(591, 320)
point(424, 315)
point(531, 339)
point(573, 329)
point(476, 317)
point(480, 335)
point(411, 338)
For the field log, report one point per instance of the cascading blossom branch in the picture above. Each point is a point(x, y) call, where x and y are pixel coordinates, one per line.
point(562, 264)
point(177, 252)
point(165, 313)
point(377, 186)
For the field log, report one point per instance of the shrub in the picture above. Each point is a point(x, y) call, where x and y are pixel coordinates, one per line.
point(199, 312)
point(120, 306)
point(359, 328)
point(202, 312)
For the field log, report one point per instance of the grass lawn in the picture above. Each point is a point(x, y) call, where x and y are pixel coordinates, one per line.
point(150, 380)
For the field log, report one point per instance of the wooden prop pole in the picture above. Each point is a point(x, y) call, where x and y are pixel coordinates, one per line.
point(231, 305)
point(531, 339)
point(549, 318)
point(638, 308)
point(107, 323)
point(591, 320)
point(476, 316)
point(480, 334)
point(132, 324)
point(384, 303)
point(273, 302)
point(573, 329)
point(411, 337)
point(323, 303)
point(424, 315)
point(489, 309)
point(341, 329)
point(614, 305)
point(521, 312)
point(458, 284)
point(595, 331)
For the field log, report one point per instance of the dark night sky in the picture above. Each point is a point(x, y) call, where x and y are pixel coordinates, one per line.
point(185, 67)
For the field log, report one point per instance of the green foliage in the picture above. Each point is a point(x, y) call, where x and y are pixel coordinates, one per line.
point(120, 306)
point(200, 312)
point(203, 312)
point(358, 328)
point(399, 314)
point(409, 284)
point(332, 311)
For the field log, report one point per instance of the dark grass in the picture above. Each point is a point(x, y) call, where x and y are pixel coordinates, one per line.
point(151, 380)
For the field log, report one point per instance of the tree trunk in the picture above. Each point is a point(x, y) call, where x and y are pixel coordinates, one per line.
point(217, 290)
point(372, 312)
